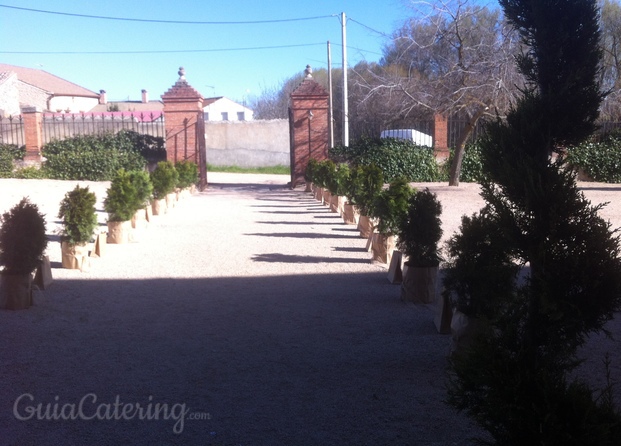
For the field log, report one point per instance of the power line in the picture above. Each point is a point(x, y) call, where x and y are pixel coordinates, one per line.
point(369, 28)
point(176, 22)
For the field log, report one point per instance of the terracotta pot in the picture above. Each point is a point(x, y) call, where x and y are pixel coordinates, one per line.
point(15, 291)
point(382, 247)
point(119, 231)
point(73, 256)
point(419, 284)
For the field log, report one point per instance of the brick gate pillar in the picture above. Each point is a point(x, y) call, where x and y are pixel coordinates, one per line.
point(33, 139)
point(184, 125)
point(308, 126)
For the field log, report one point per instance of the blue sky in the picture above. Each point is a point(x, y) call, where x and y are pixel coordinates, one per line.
point(230, 71)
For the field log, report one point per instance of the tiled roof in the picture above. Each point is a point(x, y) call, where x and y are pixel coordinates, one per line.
point(48, 82)
point(182, 89)
point(131, 106)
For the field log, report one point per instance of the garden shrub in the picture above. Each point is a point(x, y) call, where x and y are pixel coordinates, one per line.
point(164, 179)
point(8, 154)
point(600, 160)
point(395, 157)
point(152, 148)
point(92, 157)
point(77, 211)
point(188, 174)
point(471, 166)
point(121, 201)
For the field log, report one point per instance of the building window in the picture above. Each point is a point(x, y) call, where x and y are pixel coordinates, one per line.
point(206, 116)
point(225, 116)
point(241, 116)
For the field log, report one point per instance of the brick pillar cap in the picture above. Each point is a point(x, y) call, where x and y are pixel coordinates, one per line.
point(32, 109)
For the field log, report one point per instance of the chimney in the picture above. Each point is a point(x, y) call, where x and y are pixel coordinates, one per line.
point(145, 96)
point(102, 97)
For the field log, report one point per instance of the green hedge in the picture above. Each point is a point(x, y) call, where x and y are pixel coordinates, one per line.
point(8, 154)
point(471, 166)
point(601, 161)
point(395, 157)
point(92, 157)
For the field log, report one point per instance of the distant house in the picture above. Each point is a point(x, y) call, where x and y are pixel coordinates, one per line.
point(144, 105)
point(223, 109)
point(28, 87)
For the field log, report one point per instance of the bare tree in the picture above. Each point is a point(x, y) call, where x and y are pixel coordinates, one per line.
point(452, 57)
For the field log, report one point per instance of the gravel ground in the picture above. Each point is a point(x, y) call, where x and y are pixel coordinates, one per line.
point(249, 315)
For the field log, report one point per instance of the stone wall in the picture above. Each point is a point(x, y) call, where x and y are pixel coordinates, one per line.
point(257, 143)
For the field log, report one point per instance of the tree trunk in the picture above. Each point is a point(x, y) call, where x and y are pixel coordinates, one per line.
point(460, 147)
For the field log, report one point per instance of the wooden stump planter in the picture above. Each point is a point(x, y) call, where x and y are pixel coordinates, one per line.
point(43, 275)
point(119, 232)
point(419, 284)
point(318, 194)
point(15, 291)
point(149, 212)
point(341, 200)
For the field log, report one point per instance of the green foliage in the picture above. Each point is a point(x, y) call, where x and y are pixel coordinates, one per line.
point(151, 148)
point(77, 211)
point(141, 181)
point(421, 229)
point(601, 161)
point(369, 183)
point(471, 165)
point(22, 238)
point(267, 170)
point(121, 201)
point(164, 179)
point(188, 174)
point(92, 157)
point(311, 170)
point(395, 157)
point(391, 206)
point(8, 154)
point(337, 178)
point(514, 378)
point(354, 184)
point(30, 173)
point(326, 169)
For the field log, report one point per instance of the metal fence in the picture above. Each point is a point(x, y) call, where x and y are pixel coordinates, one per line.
point(12, 130)
point(58, 126)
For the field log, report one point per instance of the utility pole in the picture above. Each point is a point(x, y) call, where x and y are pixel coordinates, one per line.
point(345, 104)
point(330, 109)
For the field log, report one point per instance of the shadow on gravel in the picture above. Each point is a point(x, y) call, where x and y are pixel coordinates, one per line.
point(298, 235)
point(274, 360)
point(289, 258)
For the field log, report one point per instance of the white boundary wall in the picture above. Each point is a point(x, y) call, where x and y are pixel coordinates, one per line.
point(256, 143)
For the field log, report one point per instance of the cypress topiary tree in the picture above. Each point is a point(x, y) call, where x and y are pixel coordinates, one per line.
point(514, 379)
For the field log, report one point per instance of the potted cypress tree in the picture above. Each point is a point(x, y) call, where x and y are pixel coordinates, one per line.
point(188, 176)
point(327, 170)
point(419, 234)
point(79, 220)
point(141, 182)
point(22, 244)
point(371, 183)
point(351, 213)
point(390, 209)
point(164, 179)
point(309, 175)
point(121, 205)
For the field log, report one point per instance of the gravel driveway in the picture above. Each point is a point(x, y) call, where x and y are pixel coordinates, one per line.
point(249, 315)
